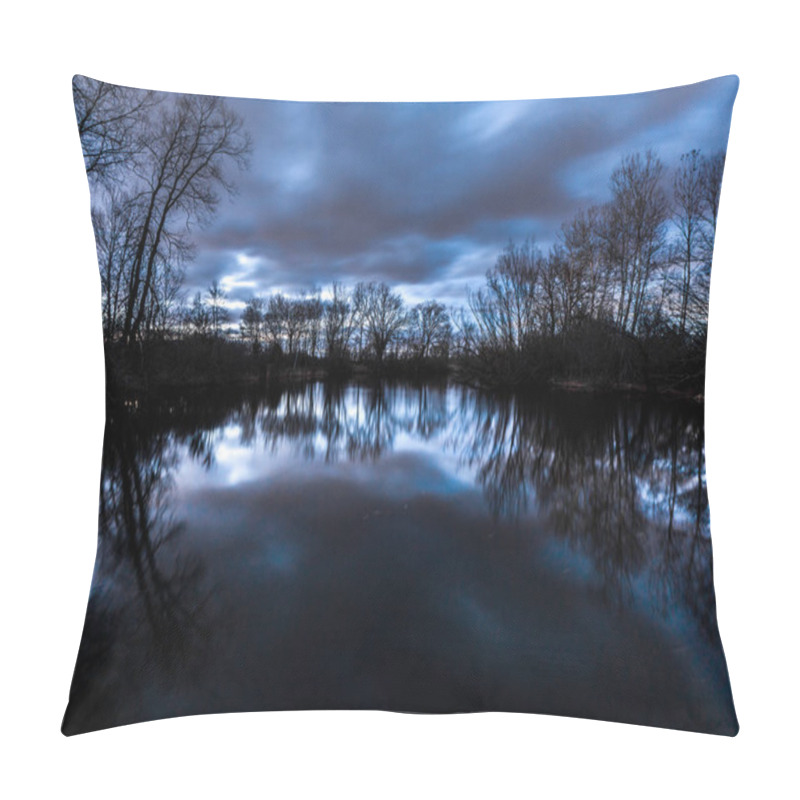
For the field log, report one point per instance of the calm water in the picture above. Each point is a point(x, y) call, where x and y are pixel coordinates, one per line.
point(410, 548)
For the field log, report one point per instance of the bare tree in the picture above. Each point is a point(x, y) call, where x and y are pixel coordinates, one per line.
point(294, 324)
point(337, 323)
point(359, 300)
point(688, 202)
point(274, 321)
point(114, 237)
point(183, 167)
point(711, 179)
point(285, 321)
point(583, 243)
point(110, 121)
point(252, 323)
point(217, 308)
point(199, 316)
point(157, 164)
point(565, 294)
point(310, 309)
point(505, 310)
point(163, 316)
point(384, 317)
point(429, 330)
point(635, 232)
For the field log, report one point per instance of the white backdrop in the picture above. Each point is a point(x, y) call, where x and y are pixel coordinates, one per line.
point(52, 397)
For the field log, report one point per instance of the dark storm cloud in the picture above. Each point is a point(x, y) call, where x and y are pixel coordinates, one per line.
point(422, 195)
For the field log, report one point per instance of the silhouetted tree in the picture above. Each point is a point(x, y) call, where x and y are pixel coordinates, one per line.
point(110, 124)
point(252, 323)
point(384, 317)
point(429, 330)
point(583, 242)
point(158, 164)
point(505, 310)
point(688, 201)
point(711, 176)
point(311, 311)
point(337, 324)
point(218, 311)
point(199, 317)
point(635, 232)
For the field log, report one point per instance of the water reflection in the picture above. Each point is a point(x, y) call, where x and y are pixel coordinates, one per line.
point(352, 422)
point(145, 607)
point(352, 541)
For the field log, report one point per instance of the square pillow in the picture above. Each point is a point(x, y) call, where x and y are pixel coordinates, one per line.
point(404, 407)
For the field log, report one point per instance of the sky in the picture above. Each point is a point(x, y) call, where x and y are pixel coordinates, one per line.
point(424, 196)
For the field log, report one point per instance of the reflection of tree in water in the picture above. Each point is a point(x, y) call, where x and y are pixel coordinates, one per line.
point(144, 589)
point(137, 528)
point(621, 481)
point(683, 572)
point(334, 422)
point(369, 433)
point(290, 416)
point(430, 410)
point(352, 423)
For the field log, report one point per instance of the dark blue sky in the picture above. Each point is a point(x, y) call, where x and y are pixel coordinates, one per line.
point(425, 195)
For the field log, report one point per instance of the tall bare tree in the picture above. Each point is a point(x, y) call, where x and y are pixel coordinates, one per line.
point(384, 316)
point(635, 232)
point(114, 240)
point(217, 308)
point(429, 330)
point(158, 164)
point(337, 323)
point(505, 311)
point(688, 208)
point(252, 323)
point(199, 316)
point(110, 121)
point(582, 240)
point(178, 181)
point(711, 178)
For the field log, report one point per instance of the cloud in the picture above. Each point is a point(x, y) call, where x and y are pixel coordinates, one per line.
point(408, 193)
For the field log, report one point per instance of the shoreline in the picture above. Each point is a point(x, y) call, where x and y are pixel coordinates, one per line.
point(125, 388)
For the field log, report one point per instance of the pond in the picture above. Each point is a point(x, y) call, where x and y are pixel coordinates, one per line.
point(418, 548)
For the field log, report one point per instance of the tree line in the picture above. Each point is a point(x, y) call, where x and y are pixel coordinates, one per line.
point(157, 165)
point(620, 297)
point(369, 323)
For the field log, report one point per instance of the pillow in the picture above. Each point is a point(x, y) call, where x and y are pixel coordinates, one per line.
point(404, 407)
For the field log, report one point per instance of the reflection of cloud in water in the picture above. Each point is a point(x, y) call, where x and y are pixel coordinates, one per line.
point(621, 482)
point(413, 548)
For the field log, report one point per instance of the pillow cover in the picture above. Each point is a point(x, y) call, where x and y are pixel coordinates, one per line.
point(404, 407)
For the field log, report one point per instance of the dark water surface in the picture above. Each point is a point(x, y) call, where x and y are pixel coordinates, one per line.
point(429, 549)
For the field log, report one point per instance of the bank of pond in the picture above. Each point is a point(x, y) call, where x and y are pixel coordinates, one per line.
point(589, 366)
